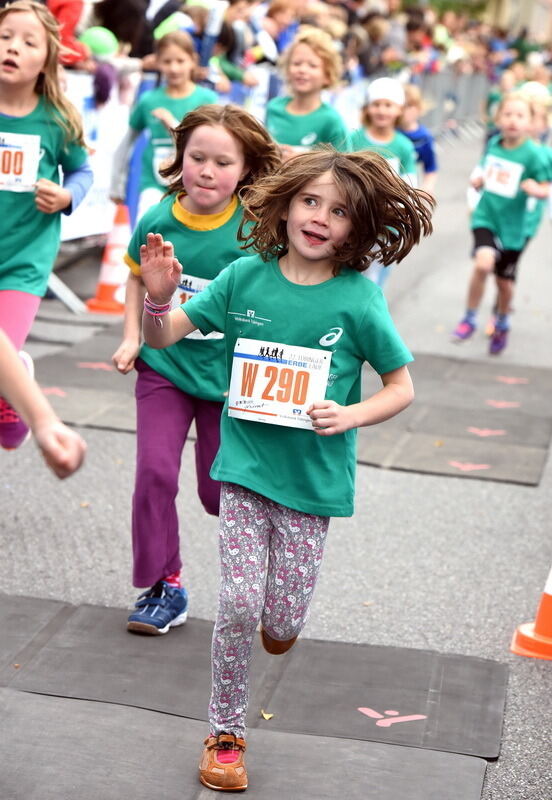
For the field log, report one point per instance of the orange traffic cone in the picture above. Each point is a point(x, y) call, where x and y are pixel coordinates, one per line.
point(534, 639)
point(113, 271)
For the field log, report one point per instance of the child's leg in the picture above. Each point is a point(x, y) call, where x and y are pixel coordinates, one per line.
point(295, 555)
point(207, 419)
point(483, 265)
point(245, 530)
point(17, 313)
point(504, 297)
point(164, 416)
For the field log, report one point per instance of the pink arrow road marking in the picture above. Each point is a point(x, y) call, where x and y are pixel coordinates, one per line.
point(503, 403)
point(486, 432)
point(95, 365)
point(53, 390)
point(392, 717)
point(511, 380)
point(465, 466)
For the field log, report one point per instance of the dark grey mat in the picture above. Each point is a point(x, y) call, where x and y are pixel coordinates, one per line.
point(59, 749)
point(318, 688)
point(412, 697)
point(470, 419)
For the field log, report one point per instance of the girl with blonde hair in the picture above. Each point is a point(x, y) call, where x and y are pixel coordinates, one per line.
point(40, 131)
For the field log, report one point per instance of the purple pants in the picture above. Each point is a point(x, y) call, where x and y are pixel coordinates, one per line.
point(164, 416)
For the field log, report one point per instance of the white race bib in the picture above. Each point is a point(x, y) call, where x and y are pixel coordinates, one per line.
point(276, 383)
point(501, 176)
point(163, 155)
point(19, 158)
point(188, 287)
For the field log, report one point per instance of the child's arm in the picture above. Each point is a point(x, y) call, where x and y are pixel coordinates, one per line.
point(63, 449)
point(161, 275)
point(125, 355)
point(77, 182)
point(533, 188)
point(329, 417)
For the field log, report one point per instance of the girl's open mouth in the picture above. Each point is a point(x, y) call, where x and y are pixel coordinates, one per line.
point(314, 238)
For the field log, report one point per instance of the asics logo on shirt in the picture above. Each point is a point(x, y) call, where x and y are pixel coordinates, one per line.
point(332, 337)
point(308, 139)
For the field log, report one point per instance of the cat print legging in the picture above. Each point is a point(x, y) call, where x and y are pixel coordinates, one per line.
point(270, 556)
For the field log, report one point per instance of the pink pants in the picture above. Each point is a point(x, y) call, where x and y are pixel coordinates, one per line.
point(17, 313)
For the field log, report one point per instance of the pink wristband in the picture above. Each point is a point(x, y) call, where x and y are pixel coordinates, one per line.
point(155, 310)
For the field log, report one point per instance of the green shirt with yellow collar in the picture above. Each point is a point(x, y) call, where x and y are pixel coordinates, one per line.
point(204, 244)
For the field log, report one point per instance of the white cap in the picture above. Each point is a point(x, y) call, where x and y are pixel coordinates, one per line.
point(386, 89)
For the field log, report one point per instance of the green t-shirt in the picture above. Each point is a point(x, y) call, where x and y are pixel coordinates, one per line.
point(503, 205)
point(323, 126)
point(196, 364)
point(400, 151)
point(160, 144)
point(535, 207)
point(347, 315)
point(30, 238)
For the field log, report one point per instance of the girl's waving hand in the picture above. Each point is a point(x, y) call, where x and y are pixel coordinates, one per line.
point(160, 269)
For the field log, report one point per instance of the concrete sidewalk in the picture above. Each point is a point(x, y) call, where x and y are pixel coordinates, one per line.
point(427, 562)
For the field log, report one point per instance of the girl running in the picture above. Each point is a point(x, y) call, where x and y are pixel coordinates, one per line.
point(300, 321)
point(41, 131)
point(513, 168)
point(380, 116)
point(301, 119)
point(218, 150)
point(158, 111)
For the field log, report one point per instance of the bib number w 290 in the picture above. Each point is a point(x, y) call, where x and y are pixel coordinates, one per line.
point(276, 383)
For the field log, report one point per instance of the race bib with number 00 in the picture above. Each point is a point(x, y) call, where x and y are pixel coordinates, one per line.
point(19, 159)
point(276, 383)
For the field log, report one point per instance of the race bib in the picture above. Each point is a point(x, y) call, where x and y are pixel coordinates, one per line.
point(501, 176)
point(19, 158)
point(163, 155)
point(188, 287)
point(276, 383)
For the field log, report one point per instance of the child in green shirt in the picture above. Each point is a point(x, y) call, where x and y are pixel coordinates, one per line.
point(158, 111)
point(299, 320)
point(513, 169)
point(384, 105)
point(41, 134)
point(300, 120)
point(219, 149)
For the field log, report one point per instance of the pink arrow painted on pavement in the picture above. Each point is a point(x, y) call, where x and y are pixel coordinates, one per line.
point(53, 390)
point(96, 365)
point(511, 380)
point(465, 466)
point(392, 717)
point(486, 432)
point(503, 403)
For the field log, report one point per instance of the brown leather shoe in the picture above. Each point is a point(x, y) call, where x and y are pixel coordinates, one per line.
point(217, 775)
point(276, 646)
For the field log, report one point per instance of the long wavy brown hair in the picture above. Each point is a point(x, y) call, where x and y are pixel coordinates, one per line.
point(388, 217)
point(48, 84)
point(261, 153)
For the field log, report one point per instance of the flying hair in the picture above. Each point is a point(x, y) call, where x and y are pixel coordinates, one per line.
point(388, 217)
point(261, 153)
point(47, 83)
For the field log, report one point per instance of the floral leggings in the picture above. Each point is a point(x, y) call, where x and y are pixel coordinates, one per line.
point(270, 556)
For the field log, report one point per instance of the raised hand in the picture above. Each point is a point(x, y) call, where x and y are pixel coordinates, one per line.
point(160, 270)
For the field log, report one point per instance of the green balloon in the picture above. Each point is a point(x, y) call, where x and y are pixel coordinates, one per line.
point(101, 41)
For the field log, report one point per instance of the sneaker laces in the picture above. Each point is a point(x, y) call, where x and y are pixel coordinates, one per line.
point(7, 413)
point(228, 750)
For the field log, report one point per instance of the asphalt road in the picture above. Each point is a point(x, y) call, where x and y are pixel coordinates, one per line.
point(450, 564)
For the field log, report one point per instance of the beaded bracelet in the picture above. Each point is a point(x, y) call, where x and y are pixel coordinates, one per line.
point(156, 311)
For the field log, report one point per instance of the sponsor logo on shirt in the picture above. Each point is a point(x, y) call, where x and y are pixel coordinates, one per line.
point(333, 336)
point(249, 316)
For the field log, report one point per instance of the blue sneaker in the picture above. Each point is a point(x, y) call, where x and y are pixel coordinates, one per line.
point(158, 609)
